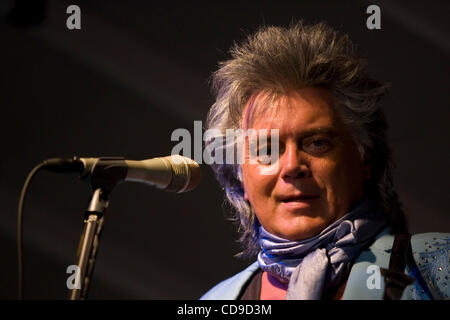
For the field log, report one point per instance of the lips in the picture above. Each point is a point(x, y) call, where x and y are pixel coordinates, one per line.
point(298, 197)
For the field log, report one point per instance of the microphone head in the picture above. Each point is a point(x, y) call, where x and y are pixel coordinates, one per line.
point(186, 174)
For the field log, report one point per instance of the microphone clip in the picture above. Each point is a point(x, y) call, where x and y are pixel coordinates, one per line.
point(106, 173)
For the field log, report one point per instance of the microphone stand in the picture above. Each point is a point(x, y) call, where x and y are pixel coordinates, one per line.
point(89, 243)
point(104, 176)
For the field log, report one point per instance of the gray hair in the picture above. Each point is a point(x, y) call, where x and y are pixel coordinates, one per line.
point(276, 60)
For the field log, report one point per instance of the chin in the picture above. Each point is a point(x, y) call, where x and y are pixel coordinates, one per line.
point(300, 228)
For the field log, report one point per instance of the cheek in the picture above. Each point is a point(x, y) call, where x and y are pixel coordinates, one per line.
point(340, 177)
point(256, 186)
point(325, 172)
point(247, 177)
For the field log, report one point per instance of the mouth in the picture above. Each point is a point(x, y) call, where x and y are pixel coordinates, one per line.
point(299, 198)
point(298, 203)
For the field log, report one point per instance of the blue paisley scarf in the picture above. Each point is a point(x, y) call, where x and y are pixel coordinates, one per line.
point(309, 266)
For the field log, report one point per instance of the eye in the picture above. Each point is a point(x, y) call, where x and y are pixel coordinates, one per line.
point(265, 155)
point(316, 145)
point(263, 150)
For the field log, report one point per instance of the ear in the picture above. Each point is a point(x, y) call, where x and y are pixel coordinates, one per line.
point(245, 195)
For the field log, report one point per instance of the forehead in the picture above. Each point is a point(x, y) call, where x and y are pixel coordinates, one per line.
point(304, 109)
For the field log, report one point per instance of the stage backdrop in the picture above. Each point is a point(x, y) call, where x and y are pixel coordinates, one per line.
point(135, 72)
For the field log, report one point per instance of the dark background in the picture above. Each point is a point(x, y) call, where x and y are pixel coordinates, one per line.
point(136, 71)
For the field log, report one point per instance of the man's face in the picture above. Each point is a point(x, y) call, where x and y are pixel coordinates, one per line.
point(319, 172)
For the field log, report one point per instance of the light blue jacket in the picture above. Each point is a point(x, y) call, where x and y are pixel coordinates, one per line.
point(431, 254)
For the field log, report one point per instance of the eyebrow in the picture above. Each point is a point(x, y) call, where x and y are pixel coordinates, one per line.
point(319, 130)
point(311, 132)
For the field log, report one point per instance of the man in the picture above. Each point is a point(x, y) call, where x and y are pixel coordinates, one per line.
point(328, 206)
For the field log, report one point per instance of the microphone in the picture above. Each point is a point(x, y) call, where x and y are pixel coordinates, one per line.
point(173, 173)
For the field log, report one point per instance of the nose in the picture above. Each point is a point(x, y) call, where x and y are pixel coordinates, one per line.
point(293, 165)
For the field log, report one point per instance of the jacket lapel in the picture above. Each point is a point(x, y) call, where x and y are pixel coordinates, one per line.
point(365, 281)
